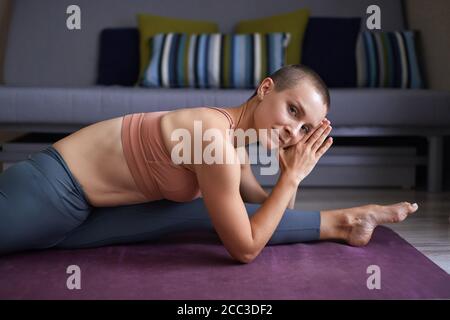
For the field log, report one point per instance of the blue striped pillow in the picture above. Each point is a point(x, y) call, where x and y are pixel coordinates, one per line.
point(388, 59)
point(214, 60)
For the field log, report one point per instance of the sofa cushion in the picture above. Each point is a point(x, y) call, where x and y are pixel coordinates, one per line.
point(214, 60)
point(388, 59)
point(329, 49)
point(150, 25)
point(118, 61)
point(293, 23)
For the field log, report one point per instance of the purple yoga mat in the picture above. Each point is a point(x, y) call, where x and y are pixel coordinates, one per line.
point(196, 266)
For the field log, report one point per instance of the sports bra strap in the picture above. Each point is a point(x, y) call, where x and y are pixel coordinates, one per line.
point(230, 119)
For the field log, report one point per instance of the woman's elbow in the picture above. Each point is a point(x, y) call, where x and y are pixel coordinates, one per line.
point(244, 257)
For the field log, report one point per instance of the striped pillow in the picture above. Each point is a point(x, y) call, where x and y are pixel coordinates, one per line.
point(388, 59)
point(214, 60)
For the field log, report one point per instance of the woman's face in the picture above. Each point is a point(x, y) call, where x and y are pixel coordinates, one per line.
point(294, 112)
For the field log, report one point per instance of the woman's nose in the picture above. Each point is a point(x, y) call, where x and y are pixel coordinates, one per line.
point(294, 131)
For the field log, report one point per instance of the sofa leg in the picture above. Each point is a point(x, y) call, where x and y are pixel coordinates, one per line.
point(435, 165)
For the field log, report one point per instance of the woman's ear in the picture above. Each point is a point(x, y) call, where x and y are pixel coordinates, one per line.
point(266, 86)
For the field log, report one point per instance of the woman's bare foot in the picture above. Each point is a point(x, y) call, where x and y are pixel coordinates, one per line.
point(356, 225)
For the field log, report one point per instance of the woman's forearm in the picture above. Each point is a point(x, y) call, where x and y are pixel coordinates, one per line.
point(292, 201)
point(268, 216)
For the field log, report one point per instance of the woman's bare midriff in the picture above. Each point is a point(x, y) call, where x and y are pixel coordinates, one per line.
point(94, 155)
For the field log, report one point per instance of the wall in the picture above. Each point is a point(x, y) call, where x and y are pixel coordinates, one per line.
point(432, 19)
point(5, 13)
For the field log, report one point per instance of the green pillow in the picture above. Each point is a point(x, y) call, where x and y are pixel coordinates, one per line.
point(150, 25)
point(294, 22)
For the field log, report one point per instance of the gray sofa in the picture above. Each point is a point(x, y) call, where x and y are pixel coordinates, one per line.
point(50, 73)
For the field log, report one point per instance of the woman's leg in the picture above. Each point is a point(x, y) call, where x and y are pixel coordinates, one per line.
point(42, 206)
point(39, 203)
point(152, 220)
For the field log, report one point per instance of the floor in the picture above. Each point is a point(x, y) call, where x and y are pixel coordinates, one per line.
point(428, 229)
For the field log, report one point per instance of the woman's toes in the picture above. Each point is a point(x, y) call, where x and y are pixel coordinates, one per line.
point(410, 208)
point(414, 207)
point(402, 211)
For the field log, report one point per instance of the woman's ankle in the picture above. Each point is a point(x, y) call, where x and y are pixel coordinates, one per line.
point(334, 225)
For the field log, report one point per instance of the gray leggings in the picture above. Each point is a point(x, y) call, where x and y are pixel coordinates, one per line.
point(43, 206)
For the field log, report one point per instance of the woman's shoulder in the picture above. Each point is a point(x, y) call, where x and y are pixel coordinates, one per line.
point(200, 124)
point(202, 117)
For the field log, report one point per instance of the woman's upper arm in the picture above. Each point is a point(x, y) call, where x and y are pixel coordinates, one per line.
point(219, 184)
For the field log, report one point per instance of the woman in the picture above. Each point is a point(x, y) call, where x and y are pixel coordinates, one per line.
point(127, 161)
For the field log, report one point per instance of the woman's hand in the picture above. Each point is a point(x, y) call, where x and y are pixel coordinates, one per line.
point(299, 160)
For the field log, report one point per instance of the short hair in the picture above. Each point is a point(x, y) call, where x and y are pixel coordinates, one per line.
point(289, 76)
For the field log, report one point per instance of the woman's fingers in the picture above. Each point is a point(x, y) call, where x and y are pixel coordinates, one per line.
point(321, 139)
point(305, 138)
point(324, 148)
point(316, 134)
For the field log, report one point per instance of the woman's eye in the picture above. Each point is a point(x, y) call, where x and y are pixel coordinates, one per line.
point(306, 129)
point(293, 110)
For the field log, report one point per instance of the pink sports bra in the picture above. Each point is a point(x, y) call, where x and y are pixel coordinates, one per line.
point(153, 171)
